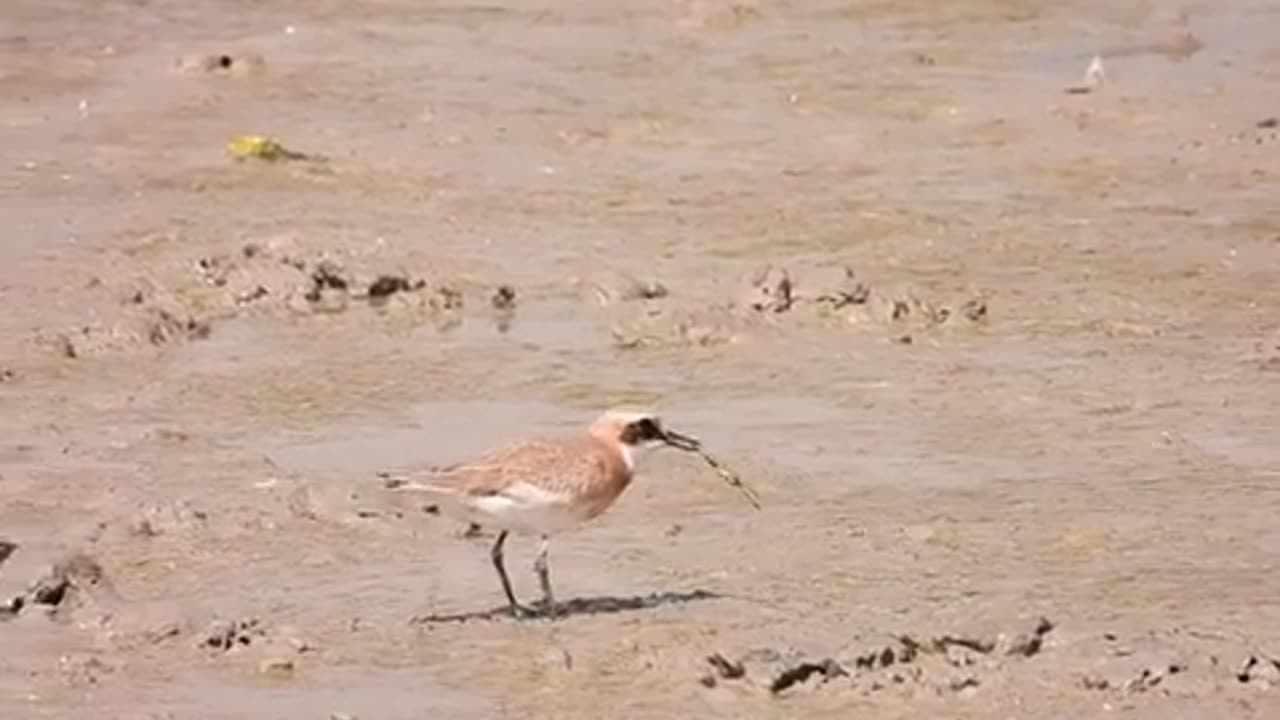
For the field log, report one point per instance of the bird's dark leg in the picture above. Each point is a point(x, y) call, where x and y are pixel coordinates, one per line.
point(496, 553)
point(541, 567)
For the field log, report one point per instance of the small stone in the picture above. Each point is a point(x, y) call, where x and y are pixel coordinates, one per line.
point(77, 572)
point(249, 296)
point(1095, 76)
point(329, 274)
point(220, 635)
point(727, 669)
point(301, 646)
point(617, 287)
point(226, 635)
point(1261, 670)
point(828, 669)
point(12, 607)
point(909, 650)
point(960, 656)
point(504, 298)
point(324, 300)
point(276, 666)
point(164, 632)
point(1093, 682)
point(964, 685)
point(839, 288)
point(1145, 681)
point(770, 290)
point(388, 285)
point(447, 298)
point(1025, 644)
point(975, 310)
point(66, 347)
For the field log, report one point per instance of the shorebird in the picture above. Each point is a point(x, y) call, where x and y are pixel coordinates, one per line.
point(545, 486)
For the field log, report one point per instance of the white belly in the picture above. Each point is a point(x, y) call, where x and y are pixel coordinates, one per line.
point(525, 508)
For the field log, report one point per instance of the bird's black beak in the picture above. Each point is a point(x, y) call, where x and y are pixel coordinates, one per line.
point(683, 442)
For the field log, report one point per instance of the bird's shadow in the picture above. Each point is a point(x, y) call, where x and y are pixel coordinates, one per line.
point(602, 605)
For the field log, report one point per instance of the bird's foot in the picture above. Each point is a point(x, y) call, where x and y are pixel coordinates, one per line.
point(548, 609)
point(524, 612)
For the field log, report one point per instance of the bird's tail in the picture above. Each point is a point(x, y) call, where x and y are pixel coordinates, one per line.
point(444, 499)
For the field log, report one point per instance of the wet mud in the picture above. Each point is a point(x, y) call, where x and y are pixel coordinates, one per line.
point(997, 348)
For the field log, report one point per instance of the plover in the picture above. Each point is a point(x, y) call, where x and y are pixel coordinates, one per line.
point(546, 486)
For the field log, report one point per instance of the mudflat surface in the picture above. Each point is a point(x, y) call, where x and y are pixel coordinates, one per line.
point(1003, 360)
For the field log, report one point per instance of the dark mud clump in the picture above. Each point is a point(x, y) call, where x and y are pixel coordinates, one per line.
point(949, 662)
point(770, 290)
point(503, 302)
point(387, 285)
point(223, 635)
point(834, 291)
point(504, 298)
point(76, 576)
point(166, 327)
point(329, 288)
point(825, 297)
point(1257, 669)
point(77, 573)
point(1176, 662)
point(827, 669)
point(275, 651)
point(724, 669)
point(189, 298)
point(447, 298)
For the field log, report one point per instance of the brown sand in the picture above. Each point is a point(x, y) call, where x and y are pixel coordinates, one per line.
point(1049, 388)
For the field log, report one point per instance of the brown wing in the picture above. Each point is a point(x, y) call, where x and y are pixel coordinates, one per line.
point(556, 466)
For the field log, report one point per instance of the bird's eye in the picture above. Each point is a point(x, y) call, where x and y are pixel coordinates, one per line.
point(648, 429)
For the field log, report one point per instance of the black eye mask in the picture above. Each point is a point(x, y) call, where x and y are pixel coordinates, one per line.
point(646, 430)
